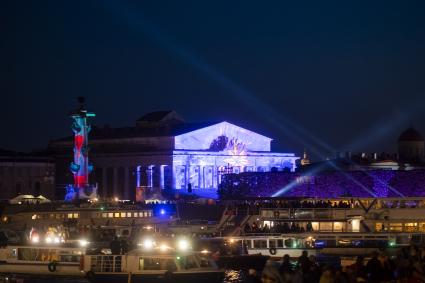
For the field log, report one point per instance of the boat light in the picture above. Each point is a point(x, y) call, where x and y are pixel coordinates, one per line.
point(56, 240)
point(83, 242)
point(231, 240)
point(35, 239)
point(148, 244)
point(163, 247)
point(183, 245)
point(204, 251)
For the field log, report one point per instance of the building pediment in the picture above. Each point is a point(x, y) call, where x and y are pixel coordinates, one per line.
point(222, 136)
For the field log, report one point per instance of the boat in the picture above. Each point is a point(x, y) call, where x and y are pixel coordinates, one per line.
point(42, 261)
point(148, 267)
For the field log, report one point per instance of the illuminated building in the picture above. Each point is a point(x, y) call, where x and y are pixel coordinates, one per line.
point(164, 152)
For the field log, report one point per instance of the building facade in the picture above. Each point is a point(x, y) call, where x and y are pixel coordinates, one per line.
point(22, 174)
point(163, 152)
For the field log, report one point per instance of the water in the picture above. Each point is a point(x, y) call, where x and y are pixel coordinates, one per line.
point(231, 276)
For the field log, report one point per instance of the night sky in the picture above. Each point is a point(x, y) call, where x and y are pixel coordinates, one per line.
point(328, 76)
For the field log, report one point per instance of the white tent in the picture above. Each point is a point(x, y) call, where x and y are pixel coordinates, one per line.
point(21, 199)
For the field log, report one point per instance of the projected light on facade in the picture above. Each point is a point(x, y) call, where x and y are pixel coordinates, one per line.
point(202, 156)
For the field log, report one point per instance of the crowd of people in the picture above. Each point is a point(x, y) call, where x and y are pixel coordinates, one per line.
point(279, 227)
point(408, 265)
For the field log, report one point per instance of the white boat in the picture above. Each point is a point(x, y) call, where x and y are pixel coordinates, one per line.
point(43, 261)
point(276, 246)
point(141, 266)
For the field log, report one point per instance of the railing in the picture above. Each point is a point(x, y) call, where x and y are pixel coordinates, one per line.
point(106, 263)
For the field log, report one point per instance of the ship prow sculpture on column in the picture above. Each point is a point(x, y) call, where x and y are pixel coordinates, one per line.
point(80, 167)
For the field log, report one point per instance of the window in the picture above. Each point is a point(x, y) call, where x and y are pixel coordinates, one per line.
point(34, 216)
point(110, 215)
point(410, 227)
point(135, 214)
point(123, 214)
point(116, 214)
point(276, 243)
point(260, 244)
point(104, 215)
point(338, 226)
point(326, 226)
point(157, 264)
point(397, 227)
point(76, 215)
point(128, 214)
point(140, 214)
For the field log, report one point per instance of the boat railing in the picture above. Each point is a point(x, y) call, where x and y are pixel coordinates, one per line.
point(106, 263)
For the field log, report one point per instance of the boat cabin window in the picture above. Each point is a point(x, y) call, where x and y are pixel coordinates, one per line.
point(157, 264)
point(188, 262)
point(260, 244)
point(276, 243)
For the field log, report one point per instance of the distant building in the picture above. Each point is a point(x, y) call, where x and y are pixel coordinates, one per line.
point(22, 174)
point(410, 156)
point(411, 146)
point(163, 152)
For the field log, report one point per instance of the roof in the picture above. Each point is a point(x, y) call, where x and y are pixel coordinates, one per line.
point(155, 116)
point(410, 135)
point(134, 132)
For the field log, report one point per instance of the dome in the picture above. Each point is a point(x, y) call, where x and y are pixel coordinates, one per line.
point(410, 135)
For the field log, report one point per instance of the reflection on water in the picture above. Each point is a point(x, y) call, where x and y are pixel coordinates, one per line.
point(235, 276)
point(231, 276)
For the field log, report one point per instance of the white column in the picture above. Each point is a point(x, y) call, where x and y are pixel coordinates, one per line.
point(115, 181)
point(126, 183)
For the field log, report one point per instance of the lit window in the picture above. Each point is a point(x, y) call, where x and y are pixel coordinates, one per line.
point(34, 216)
point(110, 215)
point(145, 214)
point(116, 214)
point(150, 213)
point(398, 227)
point(135, 214)
point(75, 215)
point(128, 214)
point(338, 226)
point(123, 214)
point(326, 226)
point(140, 214)
point(104, 215)
point(410, 227)
point(69, 215)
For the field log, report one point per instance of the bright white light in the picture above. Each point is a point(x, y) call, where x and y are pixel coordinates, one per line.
point(183, 245)
point(232, 241)
point(56, 240)
point(83, 242)
point(116, 199)
point(148, 244)
point(204, 251)
point(48, 240)
point(163, 247)
point(35, 239)
point(162, 211)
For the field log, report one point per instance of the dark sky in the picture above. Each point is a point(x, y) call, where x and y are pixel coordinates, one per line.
point(329, 76)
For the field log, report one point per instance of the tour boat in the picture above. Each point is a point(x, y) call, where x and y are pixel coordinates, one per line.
point(149, 267)
point(42, 261)
point(276, 246)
